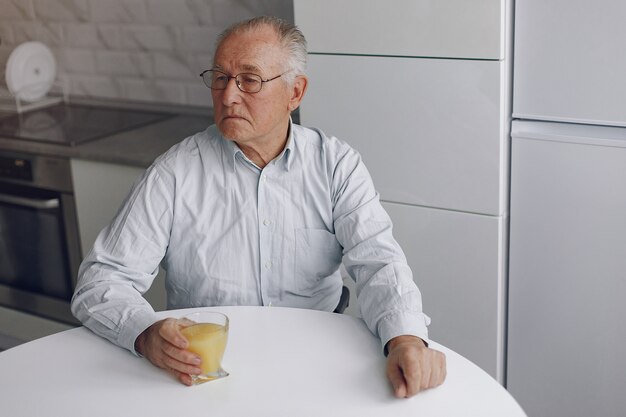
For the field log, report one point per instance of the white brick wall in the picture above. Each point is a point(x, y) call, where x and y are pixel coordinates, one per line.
point(139, 50)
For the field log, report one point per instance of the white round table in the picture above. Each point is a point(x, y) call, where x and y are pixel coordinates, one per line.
point(282, 362)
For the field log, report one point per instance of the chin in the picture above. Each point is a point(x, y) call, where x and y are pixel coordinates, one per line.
point(228, 134)
point(230, 130)
point(228, 137)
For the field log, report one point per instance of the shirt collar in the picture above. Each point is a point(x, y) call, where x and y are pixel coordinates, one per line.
point(230, 150)
point(285, 157)
point(282, 160)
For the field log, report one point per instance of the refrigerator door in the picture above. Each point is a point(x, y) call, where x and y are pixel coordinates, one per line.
point(429, 130)
point(567, 270)
point(570, 62)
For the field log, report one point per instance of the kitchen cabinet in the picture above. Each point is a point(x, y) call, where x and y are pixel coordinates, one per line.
point(17, 327)
point(473, 29)
point(422, 89)
point(438, 121)
point(456, 261)
point(100, 188)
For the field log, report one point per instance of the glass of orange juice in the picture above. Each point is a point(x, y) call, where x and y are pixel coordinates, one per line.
point(207, 333)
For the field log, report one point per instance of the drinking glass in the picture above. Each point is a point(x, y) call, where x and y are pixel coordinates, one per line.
point(207, 333)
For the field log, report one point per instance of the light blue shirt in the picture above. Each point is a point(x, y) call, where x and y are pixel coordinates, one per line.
point(230, 233)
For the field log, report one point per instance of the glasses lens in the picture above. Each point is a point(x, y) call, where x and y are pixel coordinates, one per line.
point(249, 83)
point(216, 80)
point(206, 78)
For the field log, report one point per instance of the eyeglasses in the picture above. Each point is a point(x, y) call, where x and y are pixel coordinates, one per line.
point(246, 82)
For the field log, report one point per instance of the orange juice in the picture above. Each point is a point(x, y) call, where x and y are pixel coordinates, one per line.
point(207, 340)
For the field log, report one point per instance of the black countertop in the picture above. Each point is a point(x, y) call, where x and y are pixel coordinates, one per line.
point(136, 147)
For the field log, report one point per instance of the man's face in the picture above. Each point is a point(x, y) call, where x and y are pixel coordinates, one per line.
point(261, 118)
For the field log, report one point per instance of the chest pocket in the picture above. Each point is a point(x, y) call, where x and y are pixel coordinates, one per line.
point(318, 255)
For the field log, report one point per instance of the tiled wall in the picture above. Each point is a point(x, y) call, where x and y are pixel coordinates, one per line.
point(140, 50)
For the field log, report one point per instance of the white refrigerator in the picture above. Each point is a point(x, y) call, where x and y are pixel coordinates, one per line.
point(567, 253)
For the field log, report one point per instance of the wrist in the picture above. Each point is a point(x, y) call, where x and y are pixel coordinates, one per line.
point(398, 340)
point(139, 342)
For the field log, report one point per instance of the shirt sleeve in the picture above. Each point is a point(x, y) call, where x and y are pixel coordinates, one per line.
point(124, 262)
point(388, 299)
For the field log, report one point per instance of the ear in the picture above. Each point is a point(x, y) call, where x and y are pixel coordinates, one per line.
point(297, 92)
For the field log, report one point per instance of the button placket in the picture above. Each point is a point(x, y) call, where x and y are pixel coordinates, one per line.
point(265, 223)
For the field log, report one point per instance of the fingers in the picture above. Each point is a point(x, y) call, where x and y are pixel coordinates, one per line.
point(164, 345)
point(170, 331)
point(437, 369)
point(432, 370)
point(179, 360)
point(173, 345)
point(178, 364)
point(184, 378)
point(415, 376)
point(412, 368)
point(396, 377)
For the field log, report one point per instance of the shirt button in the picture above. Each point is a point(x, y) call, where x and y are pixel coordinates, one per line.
point(267, 222)
point(268, 264)
point(264, 178)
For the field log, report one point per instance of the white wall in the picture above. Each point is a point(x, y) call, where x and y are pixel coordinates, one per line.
point(140, 50)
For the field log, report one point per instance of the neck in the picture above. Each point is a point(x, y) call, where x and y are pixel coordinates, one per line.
point(263, 153)
point(261, 157)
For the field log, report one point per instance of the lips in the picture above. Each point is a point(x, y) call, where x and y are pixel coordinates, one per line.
point(232, 116)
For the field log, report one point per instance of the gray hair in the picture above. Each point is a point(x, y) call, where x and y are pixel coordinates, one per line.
point(290, 37)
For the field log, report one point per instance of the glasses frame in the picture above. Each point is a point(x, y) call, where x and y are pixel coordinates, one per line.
point(237, 80)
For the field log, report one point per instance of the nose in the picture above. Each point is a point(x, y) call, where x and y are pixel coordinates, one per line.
point(231, 94)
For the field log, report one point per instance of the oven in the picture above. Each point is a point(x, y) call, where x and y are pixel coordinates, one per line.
point(39, 241)
point(40, 249)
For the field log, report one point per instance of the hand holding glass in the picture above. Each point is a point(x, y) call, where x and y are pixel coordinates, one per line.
point(207, 333)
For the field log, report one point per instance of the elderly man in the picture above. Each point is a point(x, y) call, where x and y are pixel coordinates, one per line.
point(255, 210)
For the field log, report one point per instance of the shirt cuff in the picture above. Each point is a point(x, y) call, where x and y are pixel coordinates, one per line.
point(401, 324)
point(133, 327)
